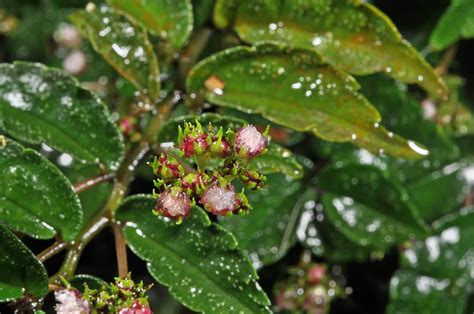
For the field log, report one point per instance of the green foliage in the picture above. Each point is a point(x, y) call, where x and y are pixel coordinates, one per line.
point(22, 272)
point(197, 260)
point(455, 23)
point(388, 173)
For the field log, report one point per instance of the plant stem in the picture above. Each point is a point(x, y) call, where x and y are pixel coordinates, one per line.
point(193, 50)
point(49, 252)
point(448, 57)
point(91, 182)
point(124, 176)
point(121, 250)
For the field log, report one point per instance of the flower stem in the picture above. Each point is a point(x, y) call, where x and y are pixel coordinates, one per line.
point(121, 250)
point(49, 252)
point(91, 182)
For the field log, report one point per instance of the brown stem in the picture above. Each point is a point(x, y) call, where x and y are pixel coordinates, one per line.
point(193, 50)
point(448, 57)
point(49, 252)
point(91, 182)
point(53, 287)
point(121, 250)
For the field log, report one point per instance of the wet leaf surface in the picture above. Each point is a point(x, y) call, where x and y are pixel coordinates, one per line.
point(40, 104)
point(368, 208)
point(21, 273)
point(172, 20)
point(351, 35)
point(268, 232)
point(35, 197)
point(436, 272)
point(276, 160)
point(312, 96)
point(198, 260)
point(123, 44)
point(93, 282)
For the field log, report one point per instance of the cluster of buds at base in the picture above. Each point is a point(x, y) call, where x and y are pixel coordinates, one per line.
point(123, 297)
point(220, 158)
point(309, 289)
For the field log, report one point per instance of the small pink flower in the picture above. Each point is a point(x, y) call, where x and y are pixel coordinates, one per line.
point(249, 142)
point(220, 147)
point(219, 200)
point(173, 203)
point(316, 273)
point(194, 145)
point(136, 308)
point(70, 302)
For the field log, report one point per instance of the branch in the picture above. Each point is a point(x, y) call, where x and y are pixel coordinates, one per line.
point(121, 250)
point(49, 252)
point(448, 57)
point(91, 182)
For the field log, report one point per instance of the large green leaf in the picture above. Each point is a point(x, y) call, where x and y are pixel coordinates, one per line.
point(368, 208)
point(436, 272)
point(276, 160)
point(123, 44)
point(172, 20)
point(455, 23)
point(269, 231)
point(21, 273)
point(197, 260)
point(312, 96)
point(414, 293)
point(35, 197)
point(40, 104)
point(351, 35)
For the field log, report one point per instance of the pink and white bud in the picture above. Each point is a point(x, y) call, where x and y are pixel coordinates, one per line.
point(250, 142)
point(70, 302)
point(220, 200)
point(173, 203)
point(316, 273)
point(136, 308)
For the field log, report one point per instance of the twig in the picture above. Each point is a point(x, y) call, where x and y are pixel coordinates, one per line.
point(89, 183)
point(448, 57)
point(49, 252)
point(121, 250)
point(53, 287)
point(193, 50)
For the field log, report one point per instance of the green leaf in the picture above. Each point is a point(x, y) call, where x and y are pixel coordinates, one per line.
point(197, 260)
point(414, 293)
point(455, 23)
point(268, 232)
point(316, 233)
point(368, 208)
point(40, 104)
point(123, 44)
point(21, 272)
point(93, 282)
point(202, 10)
point(312, 96)
point(35, 197)
point(440, 192)
point(448, 252)
point(436, 272)
point(276, 160)
point(172, 20)
point(351, 35)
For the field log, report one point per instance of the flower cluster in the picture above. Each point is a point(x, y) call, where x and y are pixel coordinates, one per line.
point(220, 158)
point(309, 288)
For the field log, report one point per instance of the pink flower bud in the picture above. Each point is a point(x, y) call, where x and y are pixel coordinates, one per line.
point(136, 308)
point(194, 145)
point(194, 183)
point(173, 203)
point(316, 273)
point(220, 200)
point(220, 147)
point(249, 142)
point(167, 168)
point(252, 179)
point(70, 301)
point(317, 300)
point(287, 298)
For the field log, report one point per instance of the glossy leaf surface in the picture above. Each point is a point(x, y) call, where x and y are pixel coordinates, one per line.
point(40, 104)
point(351, 35)
point(312, 96)
point(35, 197)
point(197, 260)
point(268, 231)
point(21, 271)
point(456, 23)
point(172, 20)
point(123, 44)
point(368, 208)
